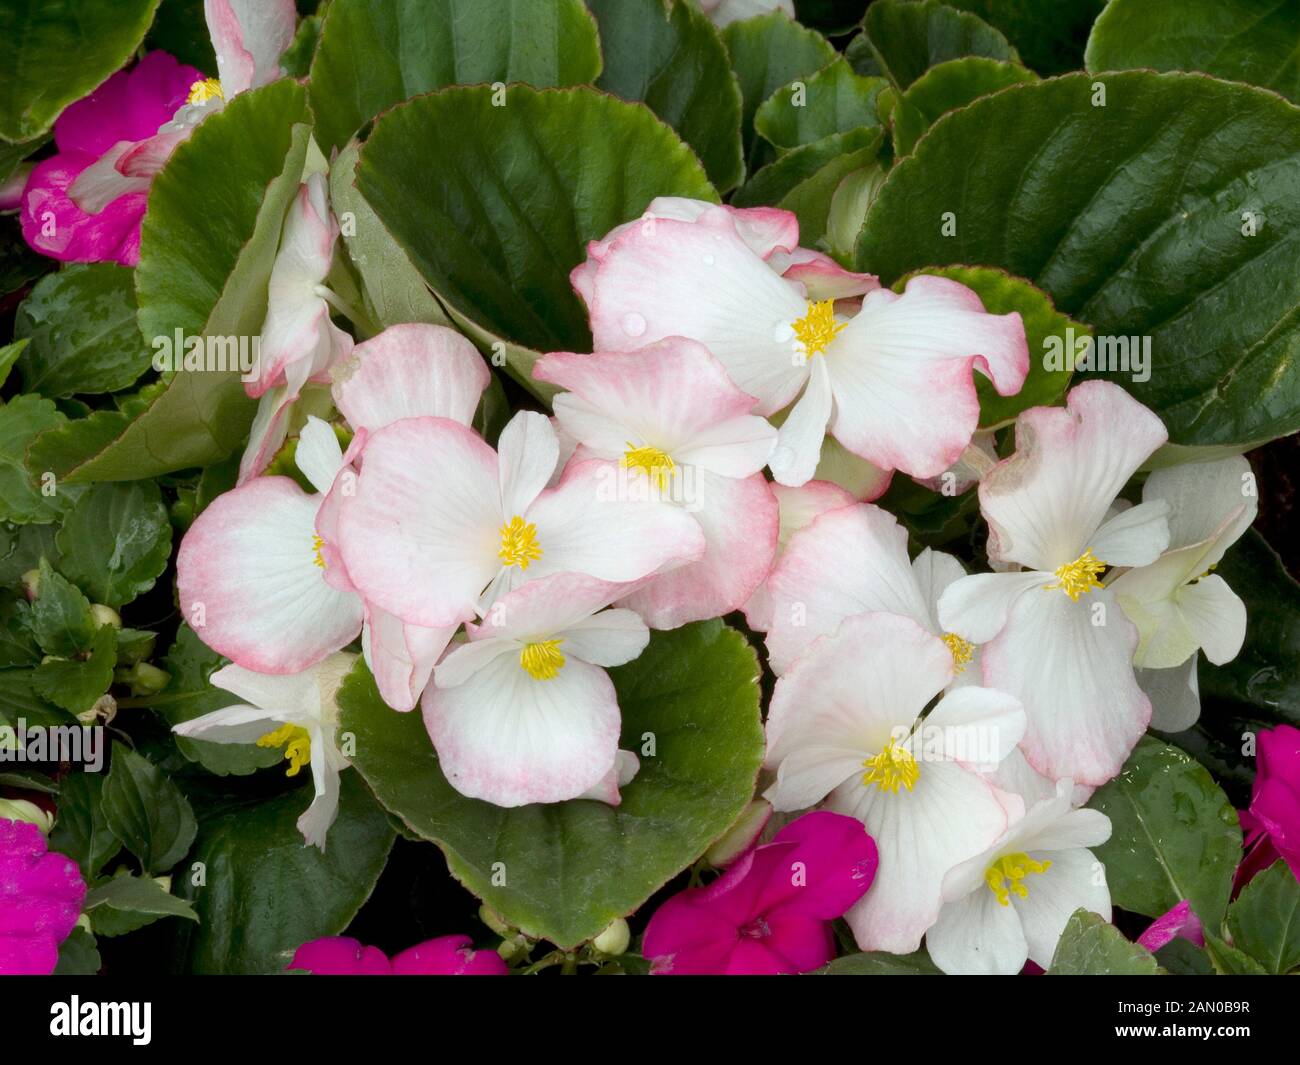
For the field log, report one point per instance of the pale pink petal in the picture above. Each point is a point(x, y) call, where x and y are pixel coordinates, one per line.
point(410, 371)
point(249, 36)
point(848, 561)
point(739, 522)
point(420, 538)
point(1046, 501)
point(401, 656)
point(1075, 679)
point(824, 279)
point(249, 583)
point(510, 739)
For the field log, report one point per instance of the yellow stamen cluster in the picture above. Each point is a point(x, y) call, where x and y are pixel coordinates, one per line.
point(1004, 877)
point(542, 660)
point(890, 768)
point(1080, 576)
point(296, 743)
point(316, 545)
point(962, 651)
point(519, 543)
point(204, 90)
point(816, 329)
point(657, 464)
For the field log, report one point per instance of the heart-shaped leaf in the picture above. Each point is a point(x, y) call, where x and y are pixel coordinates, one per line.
point(494, 205)
point(1242, 40)
point(375, 53)
point(57, 51)
point(116, 540)
point(1092, 946)
point(260, 893)
point(672, 59)
point(563, 872)
point(1161, 209)
point(1174, 835)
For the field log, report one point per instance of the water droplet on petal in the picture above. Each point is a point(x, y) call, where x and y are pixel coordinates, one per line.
point(783, 333)
point(633, 324)
point(708, 260)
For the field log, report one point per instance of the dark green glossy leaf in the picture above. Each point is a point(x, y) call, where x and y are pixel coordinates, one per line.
point(571, 868)
point(1265, 919)
point(78, 955)
point(260, 893)
point(81, 830)
point(1134, 217)
point(1256, 41)
point(146, 811)
point(669, 56)
point(75, 684)
point(1049, 37)
point(116, 540)
point(61, 619)
point(905, 38)
point(57, 51)
point(1092, 946)
point(22, 420)
point(495, 205)
point(126, 903)
point(833, 100)
point(1174, 835)
point(767, 52)
point(947, 87)
point(376, 53)
point(82, 331)
point(881, 964)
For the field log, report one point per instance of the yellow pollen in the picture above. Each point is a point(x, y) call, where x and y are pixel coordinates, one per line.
point(296, 743)
point(816, 329)
point(519, 543)
point(316, 544)
point(1079, 576)
point(962, 651)
point(204, 90)
point(1005, 875)
point(543, 660)
point(890, 768)
point(657, 464)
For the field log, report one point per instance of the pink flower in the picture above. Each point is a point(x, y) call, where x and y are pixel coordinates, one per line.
point(443, 956)
point(129, 107)
point(770, 912)
point(1272, 824)
point(1179, 923)
point(40, 901)
point(85, 203)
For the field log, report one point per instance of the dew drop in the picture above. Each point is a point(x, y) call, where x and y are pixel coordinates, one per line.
point(783, 333)
point(633, 324)
point(708, 260)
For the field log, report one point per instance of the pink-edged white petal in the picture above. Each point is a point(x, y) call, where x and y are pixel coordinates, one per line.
point(975, 726)
point(702, 281)
point(799, 440)
point(1046, 501)
point(864, 480)
point(410, 371)
point(950, 815)
point(672, 395)
point(421, 536)
point(250, 584)
point(626, 767)
point(547, 607)
point(856, 689)
point(976, 936)
point(510, 739)
point(604, 523)
point(1074, 881)
point(739, 520)
point(269, 431)
point(401, 656)
point(823, 278)
point(319, 455)
point(848, 561)
point(797, 508)
point(1070, 664)
point(249, 36)
point(976, 608)
point(901, 373)
point(528, 452)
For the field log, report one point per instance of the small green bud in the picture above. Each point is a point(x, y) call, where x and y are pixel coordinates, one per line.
point(614, 940)
point(105, 615)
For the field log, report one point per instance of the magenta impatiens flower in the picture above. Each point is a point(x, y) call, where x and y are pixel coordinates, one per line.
point(443, 956)
point(770, 912)
point(40, 901)
point(1180, 922)
point(1272, 824)
point(128, 108)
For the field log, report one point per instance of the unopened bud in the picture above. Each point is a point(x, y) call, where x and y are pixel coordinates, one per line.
point(614, 940)
point(105, 615)
point(22, 810)
point(31, 583)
